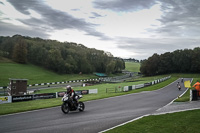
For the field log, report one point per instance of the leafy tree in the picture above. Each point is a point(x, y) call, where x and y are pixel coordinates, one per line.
point(20, 51)
point(55, 62)
point(143, 67)
point(60, 57)
point(184, 61)
point(195, 60)
point(152, 65)
point(166, 64)
point(119, 65)
point(70, 64)
point(110, 67)
point(6, 46)
point(37, 54)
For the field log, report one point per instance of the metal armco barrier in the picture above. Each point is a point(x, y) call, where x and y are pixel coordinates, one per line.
point(60, 94)
point(44, 96)
point(147, 84)
point(93, 91)
point(139, 86)
point(79, 92)
point(82, 92)
point(114, 90)
point(4, 87)
point(110, 90)
point(5, 99)
point(129, 88)
point(63, 82)
point(10, 99)
point(22, 98)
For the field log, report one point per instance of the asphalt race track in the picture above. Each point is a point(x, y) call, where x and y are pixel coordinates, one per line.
point(99, 115)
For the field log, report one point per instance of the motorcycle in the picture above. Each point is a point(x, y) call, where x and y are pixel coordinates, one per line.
point(182, 80)
point(179, 87)
point(70, 105)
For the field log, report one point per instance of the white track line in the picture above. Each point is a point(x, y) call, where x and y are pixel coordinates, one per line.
point(124, 123)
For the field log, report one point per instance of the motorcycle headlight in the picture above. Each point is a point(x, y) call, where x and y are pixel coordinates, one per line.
point(65, 99)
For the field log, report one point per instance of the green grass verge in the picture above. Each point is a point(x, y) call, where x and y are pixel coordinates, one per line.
point(182, 122)
point(132, 66)
point(184, 98)
point(34, 74)
point(39, 104)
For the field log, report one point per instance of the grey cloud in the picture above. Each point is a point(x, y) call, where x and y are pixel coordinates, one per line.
point(10, 30)
point(95, 15)
point(75, 9)
point(180, 18)
point(123, 5)
point(23, 5)
point(53, 19)
point(146, 47)
point(1, 3)
point(98, 34)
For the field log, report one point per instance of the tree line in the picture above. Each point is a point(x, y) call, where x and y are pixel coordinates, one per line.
point(131, 60)
point(179, 61)
point(61, 57)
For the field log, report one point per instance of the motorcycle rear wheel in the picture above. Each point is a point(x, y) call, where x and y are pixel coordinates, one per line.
point(65, 108)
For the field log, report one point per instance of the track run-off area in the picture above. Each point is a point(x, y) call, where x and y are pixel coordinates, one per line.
point(98, 116)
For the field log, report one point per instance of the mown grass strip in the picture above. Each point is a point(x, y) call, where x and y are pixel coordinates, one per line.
point(182, 122)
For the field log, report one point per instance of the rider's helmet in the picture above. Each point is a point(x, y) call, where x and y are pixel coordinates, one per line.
point(69, 88)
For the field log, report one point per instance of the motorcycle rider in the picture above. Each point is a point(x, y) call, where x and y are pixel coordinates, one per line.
point(182, 80)
point(72, 95)
point(179, 86)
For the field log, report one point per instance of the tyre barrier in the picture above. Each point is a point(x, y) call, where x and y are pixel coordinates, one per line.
point(129, 88)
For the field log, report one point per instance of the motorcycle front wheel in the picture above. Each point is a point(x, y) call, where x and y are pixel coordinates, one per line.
point(81, 106)
point(65, 108)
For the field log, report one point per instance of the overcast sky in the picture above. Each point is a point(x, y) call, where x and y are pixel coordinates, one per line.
point(126, 28)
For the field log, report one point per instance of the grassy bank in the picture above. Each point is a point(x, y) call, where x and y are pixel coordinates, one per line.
point(182, 122)
point(132, 66)
point(34, 74)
